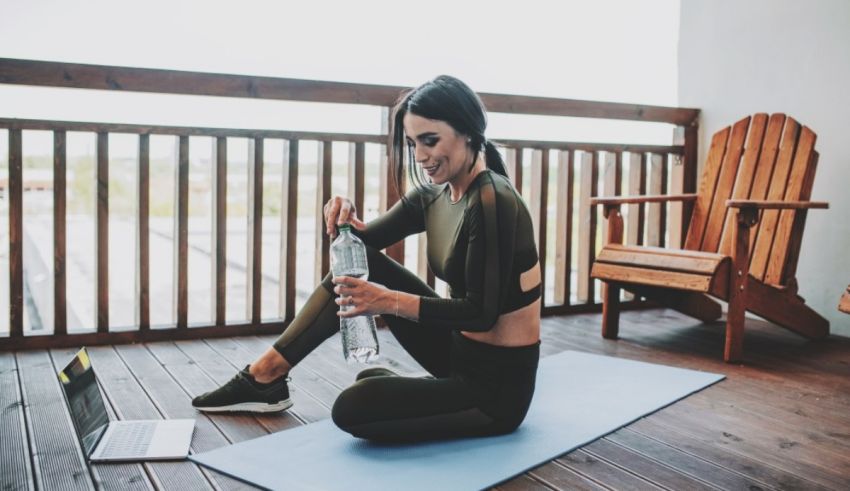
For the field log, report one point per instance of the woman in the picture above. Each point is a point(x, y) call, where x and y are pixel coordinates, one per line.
point(481, 345)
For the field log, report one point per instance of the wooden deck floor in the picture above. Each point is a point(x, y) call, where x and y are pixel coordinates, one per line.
point(780, 421)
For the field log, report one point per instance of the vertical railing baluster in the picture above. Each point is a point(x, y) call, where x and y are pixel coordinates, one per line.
point(563, 227)
point(16, 235)
point(102, 233)
point(182, 232)
point(143, 254)
point(687, 136)
point(539, 202)
point(655, 211)
point(288, 229)
point(219, 248)
point(674, 215)
point(611, 181)
point(256, 169)
point(60, 307)
point(356, 176)
point(324, 168)
point(587, 226)
point(514, 165)
point(637, 187)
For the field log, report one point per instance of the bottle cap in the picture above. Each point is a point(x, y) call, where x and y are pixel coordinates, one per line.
point(343, 226)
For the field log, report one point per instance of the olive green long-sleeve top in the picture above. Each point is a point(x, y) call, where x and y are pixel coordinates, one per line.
point(482, 246)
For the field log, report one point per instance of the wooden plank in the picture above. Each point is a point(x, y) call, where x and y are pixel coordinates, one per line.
point(655, 211)
point(145, 129)
point(57, 459)
point(256, 163)
point(563, 227)
point(16, 235)
point(60, 307)
point(356, 176)
point(181, 232)
point(727, 463)
point(514, 166)
point(524, 483)
point(218, 254)
point(103, 77)
point(130, 402)
point(635, 256)
point(687, 137)
point(611, 180)
point(725, 181)
point(637, 187)
point(592, 467)
point(586, 227)
point(143, 253)
point(557, 476)
point(707, 184)
point(766, 163)
point(324, 169)
point(675, 230)
point(642, 466)
point(785, 309)
point(288, 230)
point(635, 212)
point(798, 187)
point(101, 251)
point(173, 401)
point(539, 204)
point(15, 454)
point(643, 276)
point(746, 175)
point(775, 191)
point(136, 336)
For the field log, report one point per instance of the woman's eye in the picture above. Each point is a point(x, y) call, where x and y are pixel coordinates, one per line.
point(430, 141)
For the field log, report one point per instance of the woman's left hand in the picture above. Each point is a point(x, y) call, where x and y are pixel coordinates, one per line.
point(361, 297)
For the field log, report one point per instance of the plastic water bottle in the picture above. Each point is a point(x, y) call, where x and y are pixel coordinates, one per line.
point(359, 335)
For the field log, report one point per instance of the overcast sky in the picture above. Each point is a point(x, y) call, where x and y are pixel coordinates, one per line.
point(612, 50)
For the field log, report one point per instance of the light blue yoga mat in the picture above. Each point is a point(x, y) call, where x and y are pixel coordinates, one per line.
point(579, 398)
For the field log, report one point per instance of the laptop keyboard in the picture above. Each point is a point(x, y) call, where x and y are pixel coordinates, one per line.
point(130, 439)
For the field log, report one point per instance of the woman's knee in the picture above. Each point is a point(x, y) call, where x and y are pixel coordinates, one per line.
point(350, 407)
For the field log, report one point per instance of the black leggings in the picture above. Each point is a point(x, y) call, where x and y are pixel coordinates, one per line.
point(477, 389)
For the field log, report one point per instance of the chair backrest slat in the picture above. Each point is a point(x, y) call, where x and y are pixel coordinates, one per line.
point(776, 191)
point(725, 183)
point(798, 188)
point(777, 163)
point(702, 206)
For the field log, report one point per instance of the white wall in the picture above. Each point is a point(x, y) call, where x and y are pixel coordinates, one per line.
point(738, 57)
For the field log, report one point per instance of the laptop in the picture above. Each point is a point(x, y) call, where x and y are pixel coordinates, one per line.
point(106, 441)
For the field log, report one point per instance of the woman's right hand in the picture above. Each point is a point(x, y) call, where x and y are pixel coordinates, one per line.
point(339, 210)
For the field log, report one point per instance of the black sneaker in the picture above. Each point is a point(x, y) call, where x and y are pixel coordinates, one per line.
point(243, 393)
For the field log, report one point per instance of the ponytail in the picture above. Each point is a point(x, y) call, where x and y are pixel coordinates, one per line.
point(494, 159)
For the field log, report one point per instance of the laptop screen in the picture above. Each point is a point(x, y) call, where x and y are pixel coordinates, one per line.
point(87, 408)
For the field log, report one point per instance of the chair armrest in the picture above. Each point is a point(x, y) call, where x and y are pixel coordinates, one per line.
point(623, 200)
point(775, 205)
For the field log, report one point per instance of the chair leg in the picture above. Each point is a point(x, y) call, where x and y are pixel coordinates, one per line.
point(610, 311)
point(734, 349)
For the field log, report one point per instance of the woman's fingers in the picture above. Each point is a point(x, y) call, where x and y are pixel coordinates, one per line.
point(339, 210)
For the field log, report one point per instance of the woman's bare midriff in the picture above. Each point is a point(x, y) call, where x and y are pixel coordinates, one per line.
point(518, 328)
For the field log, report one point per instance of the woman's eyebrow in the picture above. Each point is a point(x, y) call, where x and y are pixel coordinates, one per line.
point(426, 134)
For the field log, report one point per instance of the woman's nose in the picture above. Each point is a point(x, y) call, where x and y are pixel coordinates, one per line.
point(420, 154)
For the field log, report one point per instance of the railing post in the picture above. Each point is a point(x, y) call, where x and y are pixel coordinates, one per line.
point(256, 164)
point(143, 235)
point(688, 138)
point(16, 235)
point(102, 233)
point(60, 311)
point(219, 227)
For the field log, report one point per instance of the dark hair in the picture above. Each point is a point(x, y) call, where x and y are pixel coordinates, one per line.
point(444, 99)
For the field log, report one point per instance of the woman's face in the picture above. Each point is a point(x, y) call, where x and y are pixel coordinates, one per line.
point(442, 152)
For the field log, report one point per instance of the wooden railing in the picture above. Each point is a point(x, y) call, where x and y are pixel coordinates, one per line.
point(563, 177)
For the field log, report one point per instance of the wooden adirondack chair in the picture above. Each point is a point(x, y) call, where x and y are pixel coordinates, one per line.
point(743, 240)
